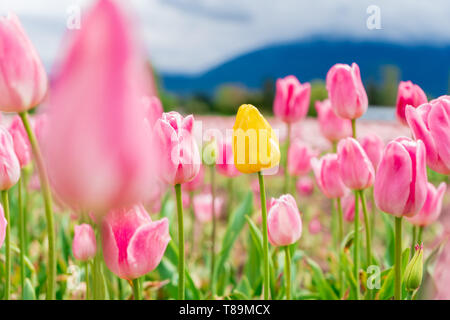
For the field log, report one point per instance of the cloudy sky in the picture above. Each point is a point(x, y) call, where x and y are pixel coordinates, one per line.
point(191, 36)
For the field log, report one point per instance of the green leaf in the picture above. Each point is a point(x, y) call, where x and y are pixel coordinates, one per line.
point(390, 240)
point(325, 290)
point(235, 225)
point(387, 288)
point(28, 291)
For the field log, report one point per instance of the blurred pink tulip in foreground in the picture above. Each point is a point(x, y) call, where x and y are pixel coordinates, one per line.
point(356, 170)
point(23, 81)
point(284, 224)
point(133, 244)
point(84, 245)
point(432, 208)
point(333, 127)
point(96, 145)
point(346, 91)
point(179, 153)
point(431, 124)
point(291, 99)
point(408, 94)
point(401, 181)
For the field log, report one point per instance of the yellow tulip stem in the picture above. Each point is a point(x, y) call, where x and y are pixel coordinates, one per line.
point(262, 190)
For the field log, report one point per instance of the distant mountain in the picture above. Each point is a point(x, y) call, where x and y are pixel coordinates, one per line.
point(425, 65)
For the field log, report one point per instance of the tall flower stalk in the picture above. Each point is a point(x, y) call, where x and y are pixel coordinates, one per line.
point(181, 256)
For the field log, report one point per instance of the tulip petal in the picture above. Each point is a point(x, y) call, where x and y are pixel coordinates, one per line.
point(147, 247)
point(439, 123)
point(391, 194)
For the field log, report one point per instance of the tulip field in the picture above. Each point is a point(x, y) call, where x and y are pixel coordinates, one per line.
point(104, 196)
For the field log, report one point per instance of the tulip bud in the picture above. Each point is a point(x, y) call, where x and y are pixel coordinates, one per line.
point(408, 94)
point(284, 224)
point(22, 145)
point(414, 270)
point(431, 123)
point(255, 145)
point(203, 207)
point(23, 81)
point(432, 207)
point(133, 244)
point(299, 158)
point(84, 245)
point(210, 152)
point(405, 195)
point(373, 146)
point(332, 127)
point(225, 163)
point(180, 157)
point(346, 91)
point(9, 164)
point(326, 171)
point(291, 99)
point(3, 224)
point(356, 170)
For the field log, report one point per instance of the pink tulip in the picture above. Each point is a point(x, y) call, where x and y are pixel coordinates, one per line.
point(225, 163)
point(133, 244)
point(197, 182)
point(22, 145)
point(346, 91)
point(291, 99)
point(328, 177)
point(305, 186)
point(431, 124)
point(332, 127)
point(356, 170)
point(9, 164)
point(180, 157)
point(314, 226)
point(299, 158)
point(431, 210)
point(96, 145)
point(408, 94)
point(373, 146)
point(203, 207)
point(23, 81)
point(153, 109)
point(3, 224)
point(284, 224)
point(401, 181)
point(441, 276)
point(84, 245)
point(348, 208)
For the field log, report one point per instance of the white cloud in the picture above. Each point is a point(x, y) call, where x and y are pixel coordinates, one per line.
point(188, 36)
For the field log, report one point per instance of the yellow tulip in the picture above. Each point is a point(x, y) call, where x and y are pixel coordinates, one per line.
point(255, 144)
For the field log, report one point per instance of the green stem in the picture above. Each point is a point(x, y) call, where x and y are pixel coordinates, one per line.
point(180, 243)
point(137, 294)
point(340, 238)
point(191, 208)
point(334, 146)
point(373, 212)
point(287, 268)
point(286, 172)
point(5, 201)
point(86, 278)
point(354, 128)
point(21, 237)
point(419, 236)
point(262, 190)
point(398, 259)
point(46, 193)
point(213, 233)
point(368, 234)
point(367, 227)
point(413, 244)
point(356, 247)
